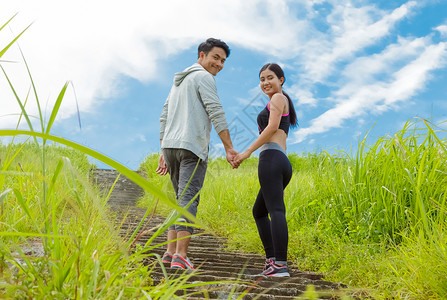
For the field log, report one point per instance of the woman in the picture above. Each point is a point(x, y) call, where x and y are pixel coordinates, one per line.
point(274, 170)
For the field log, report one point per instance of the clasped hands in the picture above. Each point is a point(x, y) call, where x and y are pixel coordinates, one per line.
point(235, 158)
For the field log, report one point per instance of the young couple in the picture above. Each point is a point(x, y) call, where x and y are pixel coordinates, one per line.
point(189, 112)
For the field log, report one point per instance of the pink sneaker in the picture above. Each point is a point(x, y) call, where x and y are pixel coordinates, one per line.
point(178, 262)
point(276, 271)
point(167, 258)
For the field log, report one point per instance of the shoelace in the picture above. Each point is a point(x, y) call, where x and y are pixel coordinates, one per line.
point(268, 263)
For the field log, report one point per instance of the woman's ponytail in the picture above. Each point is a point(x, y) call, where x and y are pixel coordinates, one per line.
point(292, 112)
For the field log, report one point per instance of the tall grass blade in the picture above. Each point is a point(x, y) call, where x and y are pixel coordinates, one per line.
point(91, 288)
point(34, 234)
point(35, 92)
point(7, 22)
point(56, 242)
point(4, 194)
point(22, 203)
point(420, 200)
point(109, 194)
point(9, 161)
point(12, 42)
point(440, 143)
point(22, 107)
point(2, 198)
point(56, 107)
point(77, 105)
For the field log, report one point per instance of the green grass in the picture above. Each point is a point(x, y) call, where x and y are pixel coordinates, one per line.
point(375, 221)
point(83, 245)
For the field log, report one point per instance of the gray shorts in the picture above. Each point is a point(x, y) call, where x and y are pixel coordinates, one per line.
point(181, 164)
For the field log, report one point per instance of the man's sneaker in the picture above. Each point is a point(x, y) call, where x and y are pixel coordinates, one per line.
point(178, 262)
point(276, 271)
point(167, 258)
point(268, 262)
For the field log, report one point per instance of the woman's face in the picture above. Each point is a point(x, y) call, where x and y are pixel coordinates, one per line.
point(270, 83)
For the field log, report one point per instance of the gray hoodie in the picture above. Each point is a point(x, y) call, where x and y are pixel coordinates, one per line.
point(189, 110)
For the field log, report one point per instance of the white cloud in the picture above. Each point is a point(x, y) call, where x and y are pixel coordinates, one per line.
point(365, 95)
point(368, 70)
point(442, 29)
point(139, 137)
point(352, 29)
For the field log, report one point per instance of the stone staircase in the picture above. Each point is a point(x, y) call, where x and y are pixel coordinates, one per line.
point(217, 269)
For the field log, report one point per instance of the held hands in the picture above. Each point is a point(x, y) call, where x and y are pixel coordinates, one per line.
point(240, 158)
point(231, 154)
point(162, 167)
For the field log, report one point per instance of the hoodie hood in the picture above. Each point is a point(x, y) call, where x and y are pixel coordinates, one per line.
point(180, 76)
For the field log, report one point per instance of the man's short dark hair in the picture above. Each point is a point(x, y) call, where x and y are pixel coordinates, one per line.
point(210, 43)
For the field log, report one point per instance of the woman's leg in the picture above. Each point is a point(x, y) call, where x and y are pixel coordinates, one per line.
point(274, 174)
point(262, 220)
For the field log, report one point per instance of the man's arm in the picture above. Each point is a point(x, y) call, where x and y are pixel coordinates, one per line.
point(163, 118)
point(162, 168)
point(214, 109)
point(229, 150)
point(208, 93)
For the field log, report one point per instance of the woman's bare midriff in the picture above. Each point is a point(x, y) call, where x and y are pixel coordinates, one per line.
point(280, 138)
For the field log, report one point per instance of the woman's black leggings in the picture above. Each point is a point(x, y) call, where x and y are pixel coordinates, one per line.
point(274, 172)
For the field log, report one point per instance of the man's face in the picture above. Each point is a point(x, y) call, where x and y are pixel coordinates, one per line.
point(214, 61)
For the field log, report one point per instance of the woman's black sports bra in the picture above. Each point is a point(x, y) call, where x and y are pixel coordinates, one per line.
point(263, 120)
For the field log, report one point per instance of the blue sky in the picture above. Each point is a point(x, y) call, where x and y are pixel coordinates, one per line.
point(351, 66)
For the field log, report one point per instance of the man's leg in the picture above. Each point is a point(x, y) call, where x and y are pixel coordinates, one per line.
point(188, 189)
point(183, 243)
point(172, 235)
point(173, 165)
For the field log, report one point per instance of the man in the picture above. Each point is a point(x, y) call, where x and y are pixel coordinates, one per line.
point(185, 126)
